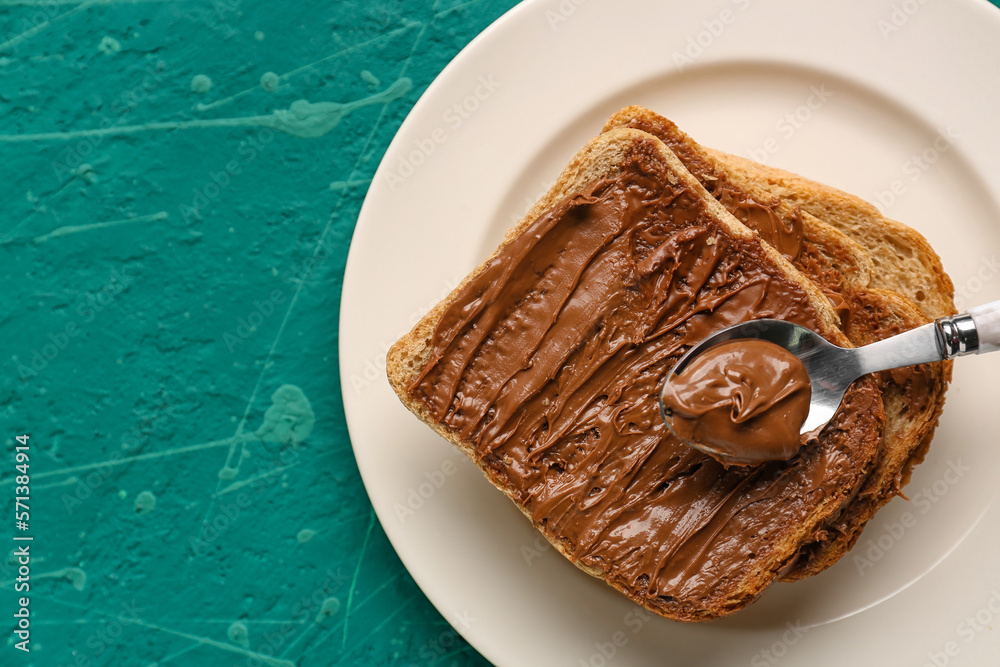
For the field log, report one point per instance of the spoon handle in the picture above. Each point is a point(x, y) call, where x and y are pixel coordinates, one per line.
point(916, 346)
point(974, 332)
point(987, 321)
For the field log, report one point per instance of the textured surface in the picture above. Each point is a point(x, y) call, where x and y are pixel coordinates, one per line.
point(171, 257)
point(172, 246)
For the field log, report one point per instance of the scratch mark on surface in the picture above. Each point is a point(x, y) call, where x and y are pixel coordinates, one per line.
point(207, 641)
point(282, 78)
point(354, 581)
point(377, 628)
point(42, 209)
point(260, 621)
point(34, 30)
point(303, 118)
point(453, 7)
point(460, 651)
point(132, 459)
point(316, 621)
point(242, 121)
point(235, 486)
point(56, 3)
point(302, 635)
point(343, 185)
point(198, 640)
point(368, 598)
point(74, 229)
point(178, 654)
point(72, 479)
point(74, 575)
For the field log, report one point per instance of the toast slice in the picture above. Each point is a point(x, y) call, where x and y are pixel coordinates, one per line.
point(913, 397)
point(544, 363)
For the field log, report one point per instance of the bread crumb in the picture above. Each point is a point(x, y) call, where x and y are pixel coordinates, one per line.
point(711, 240)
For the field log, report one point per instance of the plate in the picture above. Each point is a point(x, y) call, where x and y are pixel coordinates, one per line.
point(894, 101)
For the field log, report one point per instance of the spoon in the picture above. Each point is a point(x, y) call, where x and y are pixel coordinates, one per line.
point(832, 369)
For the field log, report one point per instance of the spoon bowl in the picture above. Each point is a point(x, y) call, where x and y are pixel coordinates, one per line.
point(832, 369)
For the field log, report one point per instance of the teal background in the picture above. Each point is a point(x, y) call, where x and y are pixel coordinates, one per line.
point(172, 255)
point(195, 499)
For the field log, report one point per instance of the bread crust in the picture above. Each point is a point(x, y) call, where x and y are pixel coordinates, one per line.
point(905, 262)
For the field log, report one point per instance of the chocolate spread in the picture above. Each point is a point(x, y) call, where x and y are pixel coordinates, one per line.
point(548, 362)
point(743, 400)
point(784, 233)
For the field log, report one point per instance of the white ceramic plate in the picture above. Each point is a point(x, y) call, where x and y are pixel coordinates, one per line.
point(894, 100)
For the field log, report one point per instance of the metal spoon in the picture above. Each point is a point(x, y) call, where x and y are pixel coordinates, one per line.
point(832, 369)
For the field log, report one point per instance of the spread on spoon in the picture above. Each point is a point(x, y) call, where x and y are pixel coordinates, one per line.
point(745, 400)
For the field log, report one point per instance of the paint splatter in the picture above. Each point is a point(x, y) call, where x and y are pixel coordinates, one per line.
point(86, 172)
point(228, 472)
point(302, 119)
point(290, 418)
point(259, 36)
point(145, 502)
point(109, 45)
point(200, 84)
point(305, 535)
point(76, 576)
point(314, 119)
point(238, 634)
point(269, 81)
point(369, 78)
point(329, 607)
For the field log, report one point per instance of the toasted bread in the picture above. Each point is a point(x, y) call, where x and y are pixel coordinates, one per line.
point(905, 262)
point(544, 413)
point(913, 397)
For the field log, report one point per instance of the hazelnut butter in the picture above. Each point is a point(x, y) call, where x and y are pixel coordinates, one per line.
point(547, 364)
point(745, 400)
